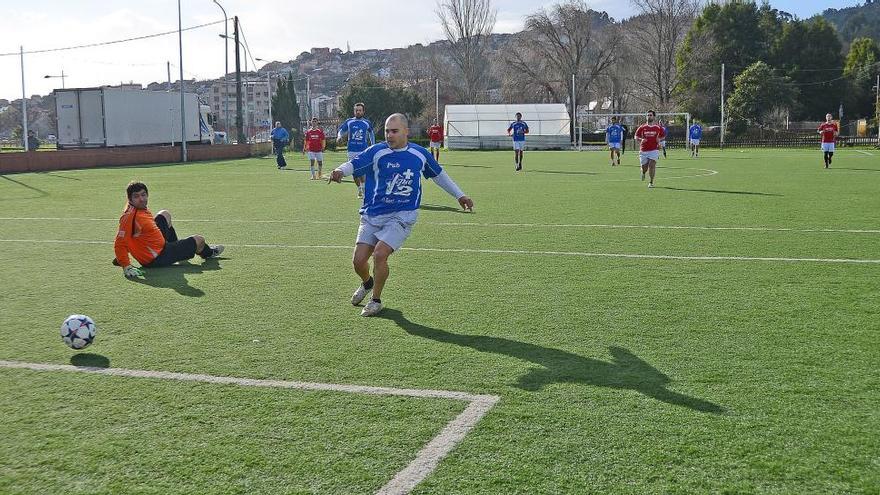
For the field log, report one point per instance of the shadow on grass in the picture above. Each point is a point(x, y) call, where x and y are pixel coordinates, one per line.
point(462, 165)
point(719, 191)
point(625, 371)
point(89, 360)
point(59, 176)
point(41, 193)
point(174, 276)
point(859, 169)
point(441, 208)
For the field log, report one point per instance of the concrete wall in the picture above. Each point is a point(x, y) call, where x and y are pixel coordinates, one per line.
point(38, 161)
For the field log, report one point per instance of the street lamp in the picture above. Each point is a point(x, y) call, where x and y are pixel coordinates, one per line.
point(226, 73)
point(62, 76)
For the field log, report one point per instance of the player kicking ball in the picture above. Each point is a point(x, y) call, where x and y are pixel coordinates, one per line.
point(828, 131)
point(649, 136)
point(393, 171)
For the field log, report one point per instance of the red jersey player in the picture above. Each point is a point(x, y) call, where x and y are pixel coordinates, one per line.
point(314, 144)
point(649, 136)
point(435, 135)
point(829, 132)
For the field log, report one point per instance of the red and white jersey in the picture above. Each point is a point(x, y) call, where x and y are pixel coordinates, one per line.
point(315, 140)
point(651, 135)
point(435, 133)
point(828, 129)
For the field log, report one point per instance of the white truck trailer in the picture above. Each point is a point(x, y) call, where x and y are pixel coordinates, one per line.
point(111, 117)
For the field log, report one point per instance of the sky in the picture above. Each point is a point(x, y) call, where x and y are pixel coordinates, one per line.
point(274, 30)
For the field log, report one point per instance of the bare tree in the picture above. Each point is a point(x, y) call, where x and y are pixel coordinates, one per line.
point(568, 39)
point(467, 25)
point(654, 37)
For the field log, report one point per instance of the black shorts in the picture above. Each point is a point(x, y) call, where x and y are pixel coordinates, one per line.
point(175, 250)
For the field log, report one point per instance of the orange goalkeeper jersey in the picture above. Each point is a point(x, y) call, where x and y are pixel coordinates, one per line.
point(138, 235)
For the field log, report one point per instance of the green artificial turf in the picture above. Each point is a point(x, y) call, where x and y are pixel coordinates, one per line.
point(616, 374)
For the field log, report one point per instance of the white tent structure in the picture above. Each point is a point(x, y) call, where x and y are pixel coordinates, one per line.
point(471, 127)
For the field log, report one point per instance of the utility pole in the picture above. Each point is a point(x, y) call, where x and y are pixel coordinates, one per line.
point(877, 109)
point(573, 112)
point(722, 106)
point(24, 122)
point(182, 106)
point(238, 120)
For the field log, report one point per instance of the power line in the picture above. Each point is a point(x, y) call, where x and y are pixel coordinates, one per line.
point(104, 43)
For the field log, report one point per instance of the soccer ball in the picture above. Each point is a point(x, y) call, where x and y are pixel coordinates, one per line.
point(78, 331)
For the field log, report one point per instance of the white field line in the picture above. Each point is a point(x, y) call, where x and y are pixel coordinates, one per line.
point(425, 462)
point(864, 152)
point(477, 224)
point(505, 251)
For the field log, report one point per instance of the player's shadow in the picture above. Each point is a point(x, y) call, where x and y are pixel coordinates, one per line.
point(718, 191)
point(441, 208)
point(175, 276)
point(40, 193)
point(89, 360)
point(625, 371)
point(859, 169)
point(463, 165)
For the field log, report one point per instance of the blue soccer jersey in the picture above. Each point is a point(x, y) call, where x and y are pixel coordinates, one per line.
point(360, 134)
point(614, 133)
point(696, 131)
point(393, 177)
point(519, 129)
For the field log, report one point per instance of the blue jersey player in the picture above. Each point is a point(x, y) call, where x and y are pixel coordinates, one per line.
point(393, 171)
point(695, 133)
point(518, 130)
point(614, 137)
point(359, 132)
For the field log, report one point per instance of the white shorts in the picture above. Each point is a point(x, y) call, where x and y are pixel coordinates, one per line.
point(644, 156)
point(828, 147)
point(316, 155)
point(392, 228)
point(435, 144)
point(614, 146)
point(518, 145)
point(663, 143)
point(695, 142)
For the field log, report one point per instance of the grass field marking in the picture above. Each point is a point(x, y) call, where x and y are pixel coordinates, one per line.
point(478, 224)
point(508, 251)
point(425, 462)
point(864, 152)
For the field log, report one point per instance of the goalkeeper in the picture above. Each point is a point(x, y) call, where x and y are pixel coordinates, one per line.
point(152, 241)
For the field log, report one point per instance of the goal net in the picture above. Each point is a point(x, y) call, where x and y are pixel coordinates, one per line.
point(590, 129)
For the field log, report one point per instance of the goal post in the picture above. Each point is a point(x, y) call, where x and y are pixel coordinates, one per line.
point(590, 129)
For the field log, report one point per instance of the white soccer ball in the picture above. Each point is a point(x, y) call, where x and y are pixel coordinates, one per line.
point(78, 331)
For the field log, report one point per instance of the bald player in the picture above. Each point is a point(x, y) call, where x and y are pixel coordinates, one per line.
point(393, 171)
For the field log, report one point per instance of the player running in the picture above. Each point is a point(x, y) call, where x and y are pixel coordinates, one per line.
point(393, 171)
point(518, 129)
point(435, 135)
point(360, 136)
point(695, 133)
point(152, 241)
point(614, 137)
point(315, 142)
point(649, 136)
point(828, 131)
